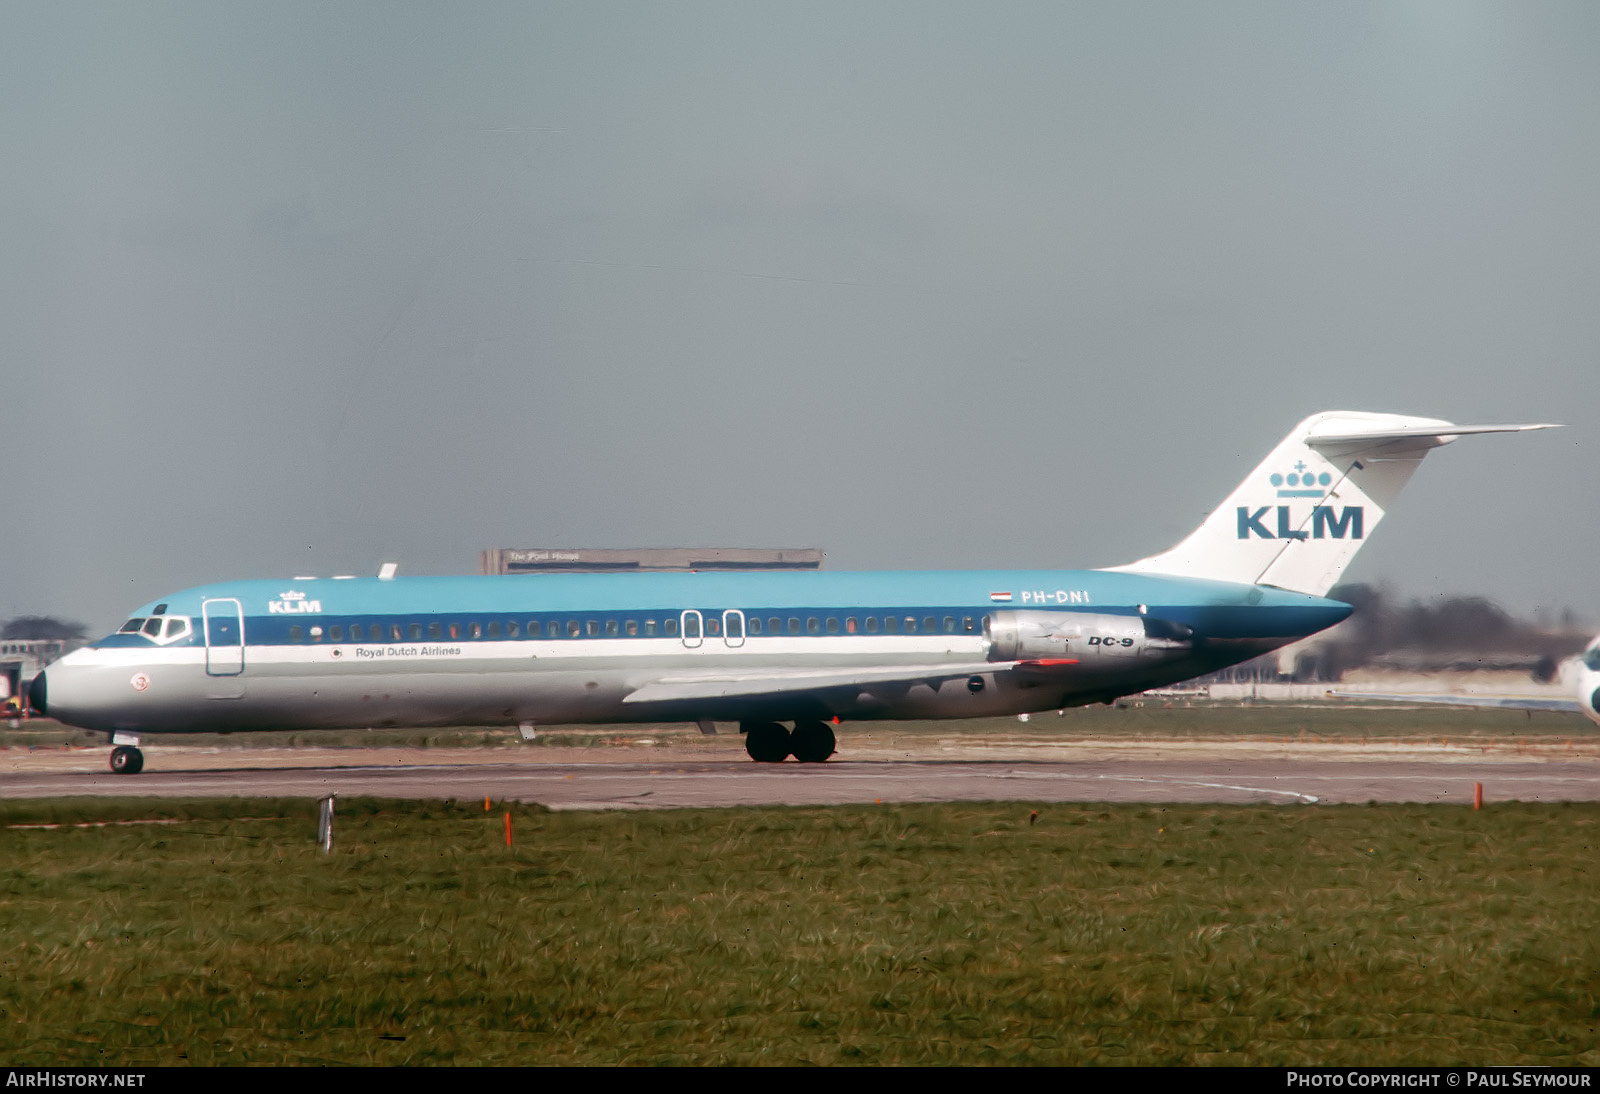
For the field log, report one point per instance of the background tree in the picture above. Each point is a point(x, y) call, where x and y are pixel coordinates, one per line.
point(44, 628)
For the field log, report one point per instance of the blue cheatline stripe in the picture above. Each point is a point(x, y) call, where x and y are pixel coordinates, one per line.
point(459, 626)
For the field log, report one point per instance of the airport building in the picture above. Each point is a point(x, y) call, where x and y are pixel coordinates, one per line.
point(21, 659)
point(591, 560)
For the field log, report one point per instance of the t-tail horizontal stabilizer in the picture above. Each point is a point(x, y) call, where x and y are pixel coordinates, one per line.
point(1300, 517)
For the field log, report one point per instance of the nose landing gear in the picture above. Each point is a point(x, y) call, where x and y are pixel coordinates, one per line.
point(126, 760)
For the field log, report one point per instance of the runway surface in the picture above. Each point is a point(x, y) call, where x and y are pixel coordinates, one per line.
point(1224, 776)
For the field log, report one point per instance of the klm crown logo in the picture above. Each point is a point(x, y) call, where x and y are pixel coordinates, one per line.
point(1301, 483)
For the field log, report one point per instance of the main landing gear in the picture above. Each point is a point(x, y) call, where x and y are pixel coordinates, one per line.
point(126, 760)
point(771, 743)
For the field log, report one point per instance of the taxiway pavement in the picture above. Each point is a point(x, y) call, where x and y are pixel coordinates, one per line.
point(1216, 774)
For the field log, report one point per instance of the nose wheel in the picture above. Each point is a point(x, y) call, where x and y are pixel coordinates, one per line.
point(126, 760)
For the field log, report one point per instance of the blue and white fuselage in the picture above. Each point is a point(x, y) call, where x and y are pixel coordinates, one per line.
point(659, 647)
point(759, 649)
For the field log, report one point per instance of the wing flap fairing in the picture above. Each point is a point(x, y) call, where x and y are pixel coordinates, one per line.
point(745, 685)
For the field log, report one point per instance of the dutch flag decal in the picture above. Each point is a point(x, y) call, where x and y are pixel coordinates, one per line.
point(1000, 598)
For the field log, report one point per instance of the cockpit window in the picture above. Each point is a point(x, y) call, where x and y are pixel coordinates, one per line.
point(158, 628)
point(1591, 660)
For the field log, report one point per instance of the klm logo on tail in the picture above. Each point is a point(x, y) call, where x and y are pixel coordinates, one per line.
point(1325, 523)
point(1302, 482)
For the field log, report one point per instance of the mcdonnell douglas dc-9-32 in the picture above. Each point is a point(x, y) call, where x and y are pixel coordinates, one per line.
point(760, 649)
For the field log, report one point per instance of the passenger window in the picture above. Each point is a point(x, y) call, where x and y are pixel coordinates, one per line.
point(930, 625)
point(511, 630)
point(850, 625)
point(394, 632)
point(152, 627)
point(949, 624)
point(911, 625)
point(833, 625)
point(316, 634)
point(670, 626)
point(794, 625)
point(755, 625)
point(295, 633)
point(813, 625)
point(375, 632)
point(554, 630)
point(891, 624)
point(573, 628)
point(611, 628)
point(594, 628)
point(734, 629)
point(691, 625)
point(494, 630)
point(435, 631)
point(474, 630)
point(632, 628)
point(872, 624)
point(649, 627)
point(131, 626)
point(966, 623)
point(336, 632)
point(774, 625)
point(713, 625)
point(415, 631)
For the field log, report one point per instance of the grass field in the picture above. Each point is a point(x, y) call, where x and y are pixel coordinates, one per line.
point(881, 934)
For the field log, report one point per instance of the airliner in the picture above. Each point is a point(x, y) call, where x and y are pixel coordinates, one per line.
point(787, 656)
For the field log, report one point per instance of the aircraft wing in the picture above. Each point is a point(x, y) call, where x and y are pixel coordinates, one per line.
point(1496, 702)
point(727, 685)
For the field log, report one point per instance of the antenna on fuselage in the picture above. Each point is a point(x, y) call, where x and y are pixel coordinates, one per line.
point(386, 571)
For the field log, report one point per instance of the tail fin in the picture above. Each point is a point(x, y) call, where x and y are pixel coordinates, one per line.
point(1302, 515)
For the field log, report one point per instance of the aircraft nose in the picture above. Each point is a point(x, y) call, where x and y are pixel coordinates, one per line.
point(38, 691)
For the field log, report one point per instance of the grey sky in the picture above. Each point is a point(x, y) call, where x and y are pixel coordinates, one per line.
point(301, 288)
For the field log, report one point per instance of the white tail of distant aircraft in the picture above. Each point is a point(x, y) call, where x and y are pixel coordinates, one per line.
point(1300, 517)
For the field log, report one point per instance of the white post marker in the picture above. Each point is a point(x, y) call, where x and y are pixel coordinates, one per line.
point(325, 824)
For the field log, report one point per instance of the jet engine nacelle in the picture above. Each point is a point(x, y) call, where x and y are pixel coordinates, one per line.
point(1030, 636)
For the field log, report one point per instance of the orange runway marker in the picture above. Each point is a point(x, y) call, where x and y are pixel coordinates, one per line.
point(508, 829)
point(1477, 795)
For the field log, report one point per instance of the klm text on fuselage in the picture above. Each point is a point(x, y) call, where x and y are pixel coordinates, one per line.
point(1325, 523)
